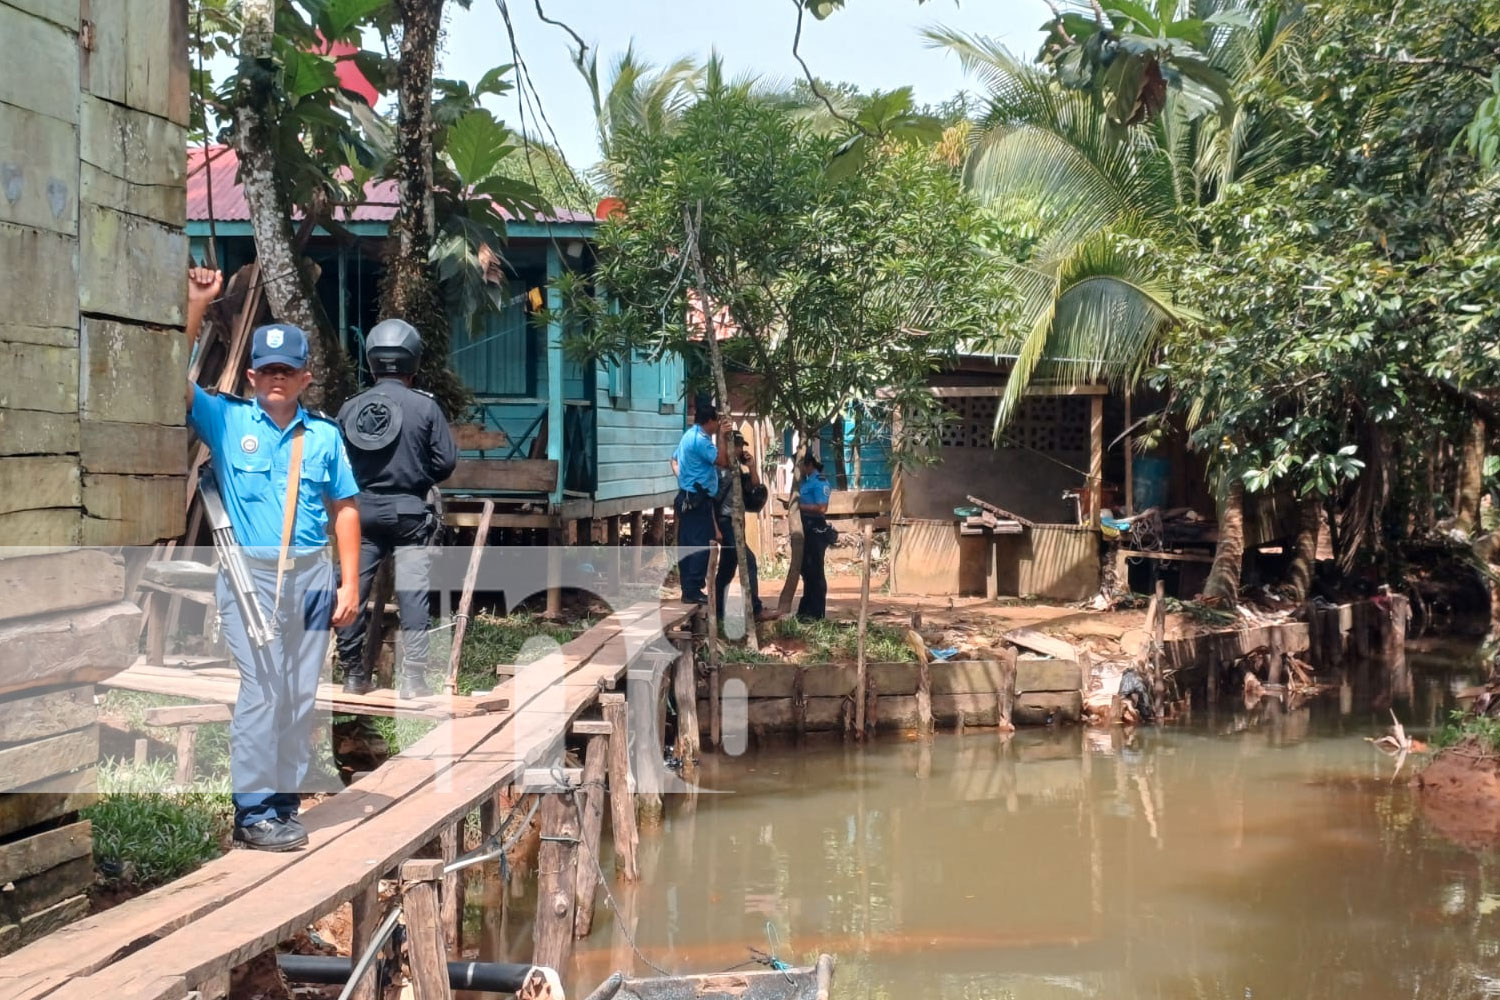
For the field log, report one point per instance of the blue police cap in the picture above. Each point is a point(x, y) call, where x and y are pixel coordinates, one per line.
point(279, 344)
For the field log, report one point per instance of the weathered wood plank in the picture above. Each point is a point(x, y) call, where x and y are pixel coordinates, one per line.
point(515, 475)
point(40, 760)
point(595, 763)
point(34, 376)
point(40, 68)
point(29, 716)
point(60, 526)
point(132, 510)
point(33, 855)
point(1028, 638)
point(621, 791)
point(48, 800)
point(134, 449)
point(63, 13)
point(145, 65)
point(38, 170)
point(133, 161)
point(37, 432)
point(40, 892)
point(38, 483)
point(151, 988)
point(188, 715)
point(80, 646)
point(115, 360)
point(557, 882)
point(120, 261)
point(12, 936)
point(61, 581)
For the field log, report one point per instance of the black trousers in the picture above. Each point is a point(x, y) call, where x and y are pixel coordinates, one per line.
point(814, 603)
point(402, 526)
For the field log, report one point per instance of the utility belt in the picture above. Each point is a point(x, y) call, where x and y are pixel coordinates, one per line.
point(293, 562)
point(693, 499)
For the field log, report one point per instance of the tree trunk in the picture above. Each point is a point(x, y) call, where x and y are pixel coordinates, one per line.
point(1224, 578)
point(721, 384)
point(287, 278)
point(1471, 477)
point(840, 470)
point(794, 531)
point(1305, 557)
point(410, 288)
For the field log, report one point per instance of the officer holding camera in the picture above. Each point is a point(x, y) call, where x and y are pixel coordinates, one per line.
point(401, 447)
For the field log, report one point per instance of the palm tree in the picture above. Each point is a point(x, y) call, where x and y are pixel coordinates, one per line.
point(640, 98)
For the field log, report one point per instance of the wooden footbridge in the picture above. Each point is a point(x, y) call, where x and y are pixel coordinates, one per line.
point(184, 939)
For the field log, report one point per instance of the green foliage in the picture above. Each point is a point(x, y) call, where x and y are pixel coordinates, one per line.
point(831, 289)
point(825, 641)
point(1463, 727)
point(1483, 134)
point(492, 640)
point(146, 834)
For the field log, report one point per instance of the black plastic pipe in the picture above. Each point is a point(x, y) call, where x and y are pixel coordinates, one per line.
point(333, 970)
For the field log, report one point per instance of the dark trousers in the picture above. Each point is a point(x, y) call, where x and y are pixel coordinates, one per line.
point(270, 736)
point(814, 603)
point(695, 530)
point(729, 564)
point(388, 527)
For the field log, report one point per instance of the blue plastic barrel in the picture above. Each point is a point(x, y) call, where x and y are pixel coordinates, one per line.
point(1152, 479)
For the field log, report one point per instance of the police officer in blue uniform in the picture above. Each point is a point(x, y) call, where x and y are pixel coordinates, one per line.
point(401, 446)
point(697, 461)
point(817, 535)
point(254, 444)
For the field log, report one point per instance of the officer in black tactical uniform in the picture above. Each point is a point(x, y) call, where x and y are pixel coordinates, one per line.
point(401, 447)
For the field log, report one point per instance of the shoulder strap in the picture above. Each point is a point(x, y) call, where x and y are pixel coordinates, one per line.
point(289, 516)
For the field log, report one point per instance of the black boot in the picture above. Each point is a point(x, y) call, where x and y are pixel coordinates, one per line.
point(358, 682)
point(413, 684)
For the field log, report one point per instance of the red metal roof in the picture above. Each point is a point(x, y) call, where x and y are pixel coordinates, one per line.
point(229, 205)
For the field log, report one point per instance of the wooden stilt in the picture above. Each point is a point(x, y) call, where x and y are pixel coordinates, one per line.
point(924, 695)
point(959, 723)
point(1005, 695)
point(453, 896)
point(616, 557)
point(557, 882)
point(555, 538)
point(142, 750)
point(466, 597)
point(799, 700)
point(367, 916)
point(872, 707)
point(424, 931)
point(685, 686)
point(621, 797)
point(659, 526)
point(637, 542)
point(156, 631)
point(595, 764)
point(187, 745)
point(860, 720)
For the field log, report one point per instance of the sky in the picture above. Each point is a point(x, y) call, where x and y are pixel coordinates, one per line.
point(871, 43)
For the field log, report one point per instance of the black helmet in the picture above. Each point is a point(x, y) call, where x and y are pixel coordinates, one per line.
point(394, 347)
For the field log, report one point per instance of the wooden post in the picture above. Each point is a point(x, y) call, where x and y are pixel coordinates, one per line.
point(1005, 696)
point(1096, 456)
point(466, 597)
point(715, 722)
point(637, 542)
point(924, 695)
point(799, 700)
point(1158, 621)
point(367, 916)
point(659, 526)
point(617, 558)
point(554, 571)
point(424, 931)
point(864, 612)
point(187, 744)
point(595, 762)
point(156, 631)
point(557, 882)
point(621, 798)
point(685, 681)
point(711, 589)
point(142, 750)
point(453, 896)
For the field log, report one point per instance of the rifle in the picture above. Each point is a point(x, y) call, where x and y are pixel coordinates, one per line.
point(232, 558)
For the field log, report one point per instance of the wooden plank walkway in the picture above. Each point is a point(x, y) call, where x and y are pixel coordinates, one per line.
point(220, 684)
point(240, 905)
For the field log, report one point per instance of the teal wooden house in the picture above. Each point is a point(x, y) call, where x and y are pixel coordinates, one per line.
point(551, 440)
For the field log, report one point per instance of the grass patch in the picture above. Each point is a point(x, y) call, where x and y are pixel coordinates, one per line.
point(401, 732)
point(827, 642)
point(211, 754)
point(1462, 727)
point(146, 834)
point(492, 640)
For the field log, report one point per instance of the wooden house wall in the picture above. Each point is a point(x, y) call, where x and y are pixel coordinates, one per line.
point(640, 414)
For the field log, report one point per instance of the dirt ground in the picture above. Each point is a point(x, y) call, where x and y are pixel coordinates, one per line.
point(1460, 794)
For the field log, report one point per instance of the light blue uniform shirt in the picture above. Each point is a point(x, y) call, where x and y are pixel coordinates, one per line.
point(696, 454)
point(251, 457)
point(815, 490)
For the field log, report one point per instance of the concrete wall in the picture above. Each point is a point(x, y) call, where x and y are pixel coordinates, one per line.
point(93, 253)
point(1020, 481)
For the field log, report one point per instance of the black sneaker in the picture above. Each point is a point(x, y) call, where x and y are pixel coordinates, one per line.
point(360, 683)
point(272, 835)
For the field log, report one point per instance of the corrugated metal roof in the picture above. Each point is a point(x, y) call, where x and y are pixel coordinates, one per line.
point(229, 205)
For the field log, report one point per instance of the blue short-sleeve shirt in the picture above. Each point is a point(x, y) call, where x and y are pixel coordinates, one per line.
point(696, 456)
point(815, 490)
point(251, 458)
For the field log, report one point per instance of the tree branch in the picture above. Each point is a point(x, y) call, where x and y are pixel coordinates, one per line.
point(582, 45)
point(812, 81)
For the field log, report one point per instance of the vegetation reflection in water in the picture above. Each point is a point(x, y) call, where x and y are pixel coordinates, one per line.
point(1247, 855)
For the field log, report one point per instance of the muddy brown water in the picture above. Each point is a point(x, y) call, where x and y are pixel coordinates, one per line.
point(1241, 855)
